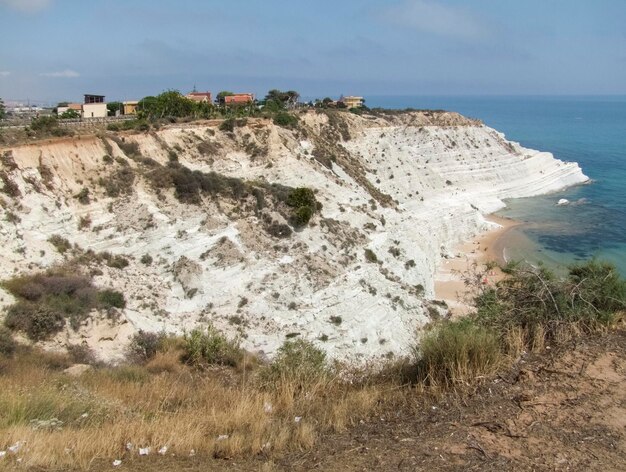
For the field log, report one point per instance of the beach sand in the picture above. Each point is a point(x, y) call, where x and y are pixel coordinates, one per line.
point(487, 247)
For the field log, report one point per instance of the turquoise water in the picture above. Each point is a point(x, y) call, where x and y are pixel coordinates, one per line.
point(587, 130)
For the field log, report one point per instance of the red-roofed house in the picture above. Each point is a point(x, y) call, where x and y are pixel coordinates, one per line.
point(238, 98)
point(202, 97)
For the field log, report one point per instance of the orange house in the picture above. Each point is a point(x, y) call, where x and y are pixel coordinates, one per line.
point(238, 99)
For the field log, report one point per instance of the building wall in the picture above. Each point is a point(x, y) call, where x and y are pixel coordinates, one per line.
point(130, 108)
point(353, 102)
point(94, 110)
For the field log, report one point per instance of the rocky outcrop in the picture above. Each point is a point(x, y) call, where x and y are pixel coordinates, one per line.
point(396, 191)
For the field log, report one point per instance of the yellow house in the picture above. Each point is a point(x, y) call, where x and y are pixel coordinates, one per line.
point(352, 102)
point(129, 107)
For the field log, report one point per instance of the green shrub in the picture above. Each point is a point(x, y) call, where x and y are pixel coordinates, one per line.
point(286, 120)
point(304, 205)
point(230, 124)
point(116, 261)
point(145, 345)
point(9, 186)
point(370, 256)
point(60, 243)
point(46, 300)
point(456, 352)
point(336, 320)
point(536, 302)
point(83, 196)
point(43, 323)
point(209, 347)
point(299, 362)
point(146, 259)
point(7, 343)
point(111, 299)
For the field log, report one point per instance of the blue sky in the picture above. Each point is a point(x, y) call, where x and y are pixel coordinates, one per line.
point(59, 49)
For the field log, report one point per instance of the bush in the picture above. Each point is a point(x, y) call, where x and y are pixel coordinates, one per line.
point(60, 243)
point(9, 186)
point(146, 259)
point(47, 299)
point(83, 196)
point(116, 261)
point(456, 352)
point(202, 348)
point(44, 123)
point(286, 120)
point(370, 256)
point(81, 354)
point(336, 320)
point(538, 304)
point(304, 203)
point(145, 345)
point(7, 343)
point(230, 124)
point(299, 362)
point(43, 323)
point(111, 299)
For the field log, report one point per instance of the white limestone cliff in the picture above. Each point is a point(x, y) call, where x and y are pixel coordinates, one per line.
point(406, 187)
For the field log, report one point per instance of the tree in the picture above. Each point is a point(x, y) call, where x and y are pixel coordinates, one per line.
point(113, 107)
point(276, 100)
point(170, 103)
point(2, 109)
point(70, 114)
point(224, 93)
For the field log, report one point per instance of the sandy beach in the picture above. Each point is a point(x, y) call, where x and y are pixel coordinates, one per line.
point(486, 247)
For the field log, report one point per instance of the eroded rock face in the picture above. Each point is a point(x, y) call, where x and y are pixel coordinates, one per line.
point(188, 273)
point(396, 192)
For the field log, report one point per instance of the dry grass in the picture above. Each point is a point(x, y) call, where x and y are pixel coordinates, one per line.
point(215, 413)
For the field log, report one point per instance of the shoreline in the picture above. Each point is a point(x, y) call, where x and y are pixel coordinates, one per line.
point(486, 247)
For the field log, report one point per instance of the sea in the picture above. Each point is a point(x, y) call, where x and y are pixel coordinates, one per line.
point(589, 130)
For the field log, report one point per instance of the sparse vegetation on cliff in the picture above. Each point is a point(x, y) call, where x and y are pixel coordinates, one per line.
point(46, 300)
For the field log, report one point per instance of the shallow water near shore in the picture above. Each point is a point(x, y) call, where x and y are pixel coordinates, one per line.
point(587, 130)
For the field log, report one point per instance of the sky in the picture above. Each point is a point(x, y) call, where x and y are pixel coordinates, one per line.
point(54, 50)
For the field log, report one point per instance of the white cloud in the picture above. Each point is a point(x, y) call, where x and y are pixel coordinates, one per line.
point(4, 73)
point(430, 16)
point(28, 6)
point(67, 73)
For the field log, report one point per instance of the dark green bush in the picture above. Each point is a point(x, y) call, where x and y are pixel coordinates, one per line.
point(9, 186)
point(111, 299)
point(304, 205)
point(83, 196)
point(285, 119)
point(44, 323)
point(44, 123)
point(230, 124)
point(60, 243)
point(146, 259)
point(370, 256)
point(7, 343)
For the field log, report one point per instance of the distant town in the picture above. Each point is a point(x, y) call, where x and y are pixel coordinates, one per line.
point(96, 107)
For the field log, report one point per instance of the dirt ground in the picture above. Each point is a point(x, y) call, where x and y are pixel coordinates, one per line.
point(564, 410)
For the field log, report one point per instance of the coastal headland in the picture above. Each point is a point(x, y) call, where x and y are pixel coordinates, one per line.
point(198, 223)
